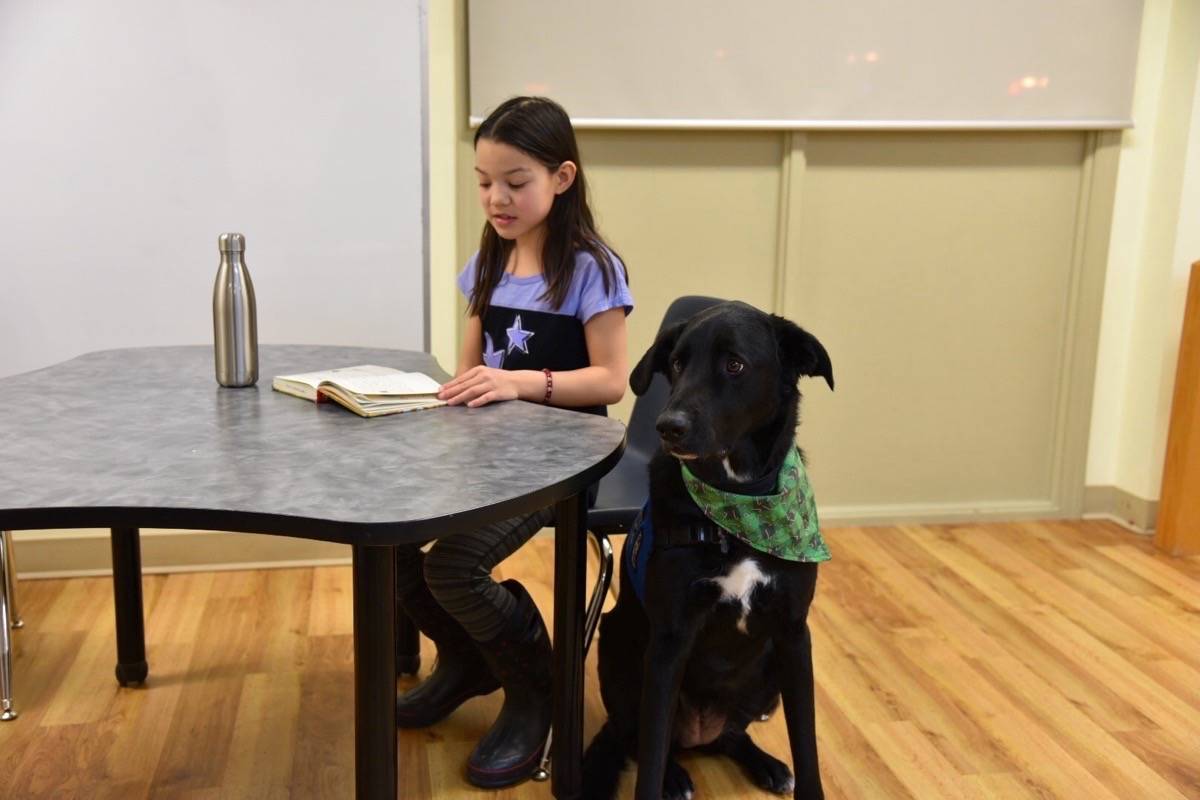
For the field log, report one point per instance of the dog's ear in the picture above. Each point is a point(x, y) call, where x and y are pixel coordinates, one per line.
point(655, 359)
point(800, 351)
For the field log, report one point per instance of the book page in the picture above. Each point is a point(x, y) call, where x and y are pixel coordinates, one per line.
point(368, 379)
point(378, 405)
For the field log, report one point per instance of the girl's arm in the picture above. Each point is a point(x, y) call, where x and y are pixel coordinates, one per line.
point(471, 354)
point(603, 383)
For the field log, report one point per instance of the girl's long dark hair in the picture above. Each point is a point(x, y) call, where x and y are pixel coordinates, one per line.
point(540, 128)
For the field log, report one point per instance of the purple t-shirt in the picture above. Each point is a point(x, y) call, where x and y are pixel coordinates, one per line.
point(521, 330)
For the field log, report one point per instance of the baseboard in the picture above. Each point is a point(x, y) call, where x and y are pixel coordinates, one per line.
point(900, 513)
point(1125, 508)
point(87, 552)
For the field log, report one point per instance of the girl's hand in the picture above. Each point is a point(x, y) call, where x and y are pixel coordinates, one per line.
point(479, 386)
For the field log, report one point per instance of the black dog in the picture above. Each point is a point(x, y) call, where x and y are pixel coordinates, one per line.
point(722, 625)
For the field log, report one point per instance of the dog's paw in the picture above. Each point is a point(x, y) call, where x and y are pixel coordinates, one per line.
point(677, 784)
point(770, 773)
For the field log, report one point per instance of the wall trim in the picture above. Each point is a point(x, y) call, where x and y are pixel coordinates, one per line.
point(1081, 330)
point(426, 119)
point(792, 167)
point(866, 125)
point(793, 172)
point(934, 513)
point(1125, 508)
point(87, 552)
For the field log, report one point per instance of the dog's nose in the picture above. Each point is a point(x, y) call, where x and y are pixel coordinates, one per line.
point(672, 425)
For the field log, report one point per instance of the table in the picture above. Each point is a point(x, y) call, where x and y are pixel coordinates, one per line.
point(144, 437)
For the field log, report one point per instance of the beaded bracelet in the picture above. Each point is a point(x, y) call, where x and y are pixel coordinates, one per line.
point(549, 385)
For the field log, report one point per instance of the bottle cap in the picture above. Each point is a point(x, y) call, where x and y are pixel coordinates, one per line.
point(231, 243)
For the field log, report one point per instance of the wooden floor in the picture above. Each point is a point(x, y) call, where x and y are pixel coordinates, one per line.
point(1033, 660)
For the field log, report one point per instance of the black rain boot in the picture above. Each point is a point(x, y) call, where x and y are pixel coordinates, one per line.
point(459, 673)
point(520, 657)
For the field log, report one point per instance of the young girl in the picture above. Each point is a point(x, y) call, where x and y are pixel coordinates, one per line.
point(546, 323)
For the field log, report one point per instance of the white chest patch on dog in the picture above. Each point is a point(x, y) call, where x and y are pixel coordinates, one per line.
point(738, 584)
point(733, 476)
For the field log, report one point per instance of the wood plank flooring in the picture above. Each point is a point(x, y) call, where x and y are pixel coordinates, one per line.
point(1008, 661)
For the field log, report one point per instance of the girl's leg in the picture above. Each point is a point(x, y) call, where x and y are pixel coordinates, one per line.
point(458, 571)
point(460, 671)
point(511, 636)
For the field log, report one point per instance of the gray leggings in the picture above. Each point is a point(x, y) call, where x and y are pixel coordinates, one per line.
point(458, 572)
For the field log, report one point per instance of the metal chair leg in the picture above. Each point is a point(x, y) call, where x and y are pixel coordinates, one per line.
point(6, 694)
point(604, 553)
point(11, 570)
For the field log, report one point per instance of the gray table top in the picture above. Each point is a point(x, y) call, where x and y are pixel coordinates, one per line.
point(145, 437)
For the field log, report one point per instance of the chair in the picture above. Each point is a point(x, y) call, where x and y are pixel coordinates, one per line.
point(9, 618)
point(623, 490)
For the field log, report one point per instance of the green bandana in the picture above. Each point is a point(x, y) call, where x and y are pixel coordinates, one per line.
point(783, 525)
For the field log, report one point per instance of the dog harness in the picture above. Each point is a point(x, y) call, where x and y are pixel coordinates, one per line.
point(640, 544)
point(783, 525)
point(636, 553)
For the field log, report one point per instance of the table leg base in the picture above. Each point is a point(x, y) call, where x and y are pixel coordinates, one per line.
point(134, 672)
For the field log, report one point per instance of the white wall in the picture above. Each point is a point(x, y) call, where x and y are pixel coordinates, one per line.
point(133, 132)
point(1155, 237)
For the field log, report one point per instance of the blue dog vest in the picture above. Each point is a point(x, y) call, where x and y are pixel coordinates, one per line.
point(636, 553)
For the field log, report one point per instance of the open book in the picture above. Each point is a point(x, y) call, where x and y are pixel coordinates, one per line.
point(367, 390)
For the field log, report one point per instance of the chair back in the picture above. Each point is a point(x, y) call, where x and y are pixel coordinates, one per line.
point(623, 490)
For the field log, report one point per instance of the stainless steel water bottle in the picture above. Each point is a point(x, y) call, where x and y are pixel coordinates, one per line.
point(235, 321)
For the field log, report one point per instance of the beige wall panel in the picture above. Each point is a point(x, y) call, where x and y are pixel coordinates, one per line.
point(936, 269)
point(690, 212)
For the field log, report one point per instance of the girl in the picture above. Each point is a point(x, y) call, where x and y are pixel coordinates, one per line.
point(546, 323)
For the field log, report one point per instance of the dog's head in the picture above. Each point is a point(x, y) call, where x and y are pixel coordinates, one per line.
point(733, 371)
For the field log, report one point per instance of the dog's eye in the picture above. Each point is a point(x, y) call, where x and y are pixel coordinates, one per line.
point(734, 367)
point(677, 366)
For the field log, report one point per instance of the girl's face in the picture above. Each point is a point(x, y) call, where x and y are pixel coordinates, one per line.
point(516, 190)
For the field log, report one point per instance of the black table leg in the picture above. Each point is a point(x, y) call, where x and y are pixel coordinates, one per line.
point(570, 570)
point(127, 597)
point(408, 645)
point(375, 754)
